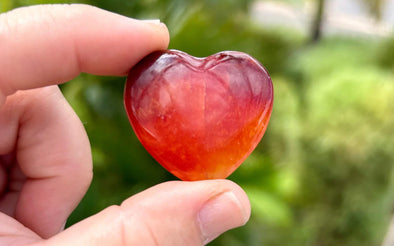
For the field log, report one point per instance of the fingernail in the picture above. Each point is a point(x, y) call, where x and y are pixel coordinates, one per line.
point(153, 21)
point(220, 214)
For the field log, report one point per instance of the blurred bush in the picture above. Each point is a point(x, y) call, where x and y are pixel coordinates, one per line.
point(323, 173)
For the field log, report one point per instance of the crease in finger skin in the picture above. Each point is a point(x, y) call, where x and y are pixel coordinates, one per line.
point(19, 239)
point(2, 97)
point(3, 179)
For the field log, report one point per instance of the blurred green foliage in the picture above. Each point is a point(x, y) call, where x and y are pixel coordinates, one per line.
point(323, 173)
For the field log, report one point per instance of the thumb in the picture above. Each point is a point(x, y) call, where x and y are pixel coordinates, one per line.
point(172, 213)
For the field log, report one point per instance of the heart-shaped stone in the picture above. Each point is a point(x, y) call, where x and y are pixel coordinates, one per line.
point(200, 118)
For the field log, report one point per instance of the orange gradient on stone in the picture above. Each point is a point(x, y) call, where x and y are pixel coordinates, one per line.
point(200, 118)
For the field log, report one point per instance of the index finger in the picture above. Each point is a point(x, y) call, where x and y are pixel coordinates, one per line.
point(54, 43)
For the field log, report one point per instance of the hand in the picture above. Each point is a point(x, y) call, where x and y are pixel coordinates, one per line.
point(45, 160)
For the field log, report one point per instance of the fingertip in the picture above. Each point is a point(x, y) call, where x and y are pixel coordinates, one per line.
point(146, 36)
point(243, 199)
point(224, 211)
point(160, 27)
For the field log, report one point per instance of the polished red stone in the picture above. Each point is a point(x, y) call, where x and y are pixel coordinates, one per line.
point(200, 118)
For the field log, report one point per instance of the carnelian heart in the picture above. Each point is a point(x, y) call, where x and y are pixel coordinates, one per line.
point(200, 118)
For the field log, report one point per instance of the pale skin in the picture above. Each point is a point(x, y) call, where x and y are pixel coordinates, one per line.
point(45, 157)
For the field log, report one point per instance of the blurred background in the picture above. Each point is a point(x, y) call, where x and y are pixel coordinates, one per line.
point(323, 174)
